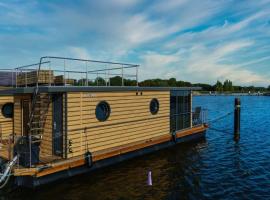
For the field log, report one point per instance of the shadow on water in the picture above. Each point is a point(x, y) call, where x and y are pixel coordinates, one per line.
point(128, 180)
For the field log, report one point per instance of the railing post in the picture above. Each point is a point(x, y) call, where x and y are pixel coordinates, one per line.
point(122, 75)
point(16, 78)
point(25, 78)
point(87, 84)
point(109, 79)
point(50, 83)
point(12, 78)
point(97, 78)
point(137, 71)
point(64, 72)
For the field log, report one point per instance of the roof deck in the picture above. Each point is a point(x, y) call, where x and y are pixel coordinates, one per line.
point(55, 71)
point(60, 74)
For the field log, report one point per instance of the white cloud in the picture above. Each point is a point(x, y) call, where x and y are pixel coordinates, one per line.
point(202, 64)
point(197, 41)
point(78, 52)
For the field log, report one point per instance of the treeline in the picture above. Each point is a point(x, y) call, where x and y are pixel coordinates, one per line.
point(226, 86)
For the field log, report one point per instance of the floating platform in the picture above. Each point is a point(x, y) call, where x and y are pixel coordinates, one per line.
point(59, 131)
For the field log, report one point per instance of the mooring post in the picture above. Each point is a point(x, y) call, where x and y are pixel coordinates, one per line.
point(237, 114)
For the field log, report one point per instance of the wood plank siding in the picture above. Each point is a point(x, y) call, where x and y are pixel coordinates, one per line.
point(46, 143)
point(130, 119)
point(18, 115)
point(6, 124)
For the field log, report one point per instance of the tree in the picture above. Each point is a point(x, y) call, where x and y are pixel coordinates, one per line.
point(227, 86)
point(218, 86)
point(100, 81)
point(268, 88)
point(116, 81)
point(172, 82)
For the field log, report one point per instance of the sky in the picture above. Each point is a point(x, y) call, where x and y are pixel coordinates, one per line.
point(191, 40)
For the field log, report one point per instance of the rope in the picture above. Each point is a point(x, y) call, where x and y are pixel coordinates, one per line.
point(221, 117)
point(220, 130)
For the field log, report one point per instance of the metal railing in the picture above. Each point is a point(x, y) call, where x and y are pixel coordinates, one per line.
point(82, 72)
point(199, 116)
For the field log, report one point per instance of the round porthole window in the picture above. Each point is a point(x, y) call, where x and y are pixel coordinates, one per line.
point(154, 106)
point(103, 111)
point(7, 110)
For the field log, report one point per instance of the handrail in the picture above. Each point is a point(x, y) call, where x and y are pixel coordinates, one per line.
point(86, 60)
point(124, 66)
point(31, 65)
point(105, 72)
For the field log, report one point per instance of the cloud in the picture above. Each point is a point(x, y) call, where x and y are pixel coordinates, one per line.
point(197, 41)
point(157, 65)
point(79, 52)
point(202, 64)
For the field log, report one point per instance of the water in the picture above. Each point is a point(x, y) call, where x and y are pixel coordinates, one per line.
point(214, 168)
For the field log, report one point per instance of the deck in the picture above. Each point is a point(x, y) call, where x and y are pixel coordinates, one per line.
point(61, 165)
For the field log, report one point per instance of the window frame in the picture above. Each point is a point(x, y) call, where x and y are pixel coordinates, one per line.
point(108, 111)
point(154, 100)
point(3, 108)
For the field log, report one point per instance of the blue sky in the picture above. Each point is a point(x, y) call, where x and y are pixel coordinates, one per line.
point(192, 40)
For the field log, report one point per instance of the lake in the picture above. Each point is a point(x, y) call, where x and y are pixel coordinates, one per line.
point(214, 168)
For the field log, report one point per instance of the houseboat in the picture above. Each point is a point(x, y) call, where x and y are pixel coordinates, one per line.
point(65, 116)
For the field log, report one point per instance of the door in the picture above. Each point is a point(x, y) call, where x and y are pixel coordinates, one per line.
point(57, 124)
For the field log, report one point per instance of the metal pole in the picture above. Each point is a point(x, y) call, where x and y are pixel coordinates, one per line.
point(122, 75)
point(65, 73)
point(16, 78)
point(237, 115)
point(97, 79)
point(12, 77)
point(109, 78)
point(137, 71)
point(86, 74)
point(25, 79)
point(50, 74)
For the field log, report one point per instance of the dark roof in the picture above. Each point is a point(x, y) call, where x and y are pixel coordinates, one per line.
point(55, 89)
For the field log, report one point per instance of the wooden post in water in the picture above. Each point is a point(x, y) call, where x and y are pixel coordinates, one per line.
point(237, 114)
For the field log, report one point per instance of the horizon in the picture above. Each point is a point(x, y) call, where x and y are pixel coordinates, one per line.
point(194, 41)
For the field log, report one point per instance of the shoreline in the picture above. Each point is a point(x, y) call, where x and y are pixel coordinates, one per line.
point(230, 94)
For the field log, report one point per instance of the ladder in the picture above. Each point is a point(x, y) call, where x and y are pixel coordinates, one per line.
point(40, 107)
point(38, 113)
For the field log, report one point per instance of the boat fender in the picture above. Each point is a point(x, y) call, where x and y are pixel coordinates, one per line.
point(89, 159)
point(174, 138)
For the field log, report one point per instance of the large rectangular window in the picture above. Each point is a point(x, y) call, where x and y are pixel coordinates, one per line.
point(180, 110)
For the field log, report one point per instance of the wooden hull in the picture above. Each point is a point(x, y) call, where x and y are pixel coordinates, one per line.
point(45, 178)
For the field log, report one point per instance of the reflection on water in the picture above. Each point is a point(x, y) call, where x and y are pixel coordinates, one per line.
point(214, 168)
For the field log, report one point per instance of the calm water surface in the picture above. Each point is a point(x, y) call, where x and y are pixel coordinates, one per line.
point(215, 168)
